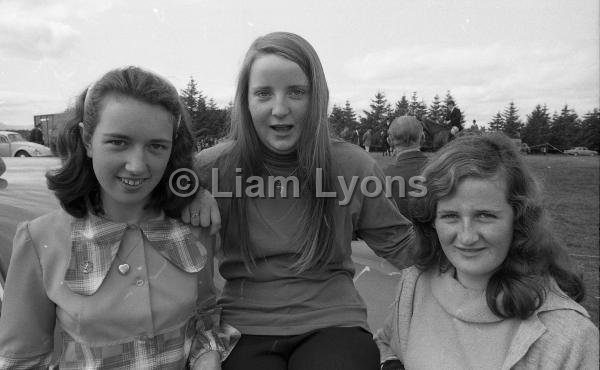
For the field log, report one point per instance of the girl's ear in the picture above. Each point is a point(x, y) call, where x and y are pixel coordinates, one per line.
point(88, 146)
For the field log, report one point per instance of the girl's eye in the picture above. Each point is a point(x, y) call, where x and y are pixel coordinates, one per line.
point(486, 216)
point(448, 216)
point(158, 147)
point(116, 142)
point(297, 93)
point(262, 94)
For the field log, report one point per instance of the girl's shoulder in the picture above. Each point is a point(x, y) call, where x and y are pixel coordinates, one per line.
point(212, 154)
point(562, 316)
point(351, 158)
point(52, 223)
point(408, 280)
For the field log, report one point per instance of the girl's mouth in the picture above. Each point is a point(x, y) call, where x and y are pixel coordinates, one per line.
point(132, 181)
point(282, 128)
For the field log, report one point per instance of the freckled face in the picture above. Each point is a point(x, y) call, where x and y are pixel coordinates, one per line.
point(475, 228)
point(130, 150)
point(278, 99)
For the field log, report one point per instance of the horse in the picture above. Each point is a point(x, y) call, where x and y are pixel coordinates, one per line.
point(436, 135)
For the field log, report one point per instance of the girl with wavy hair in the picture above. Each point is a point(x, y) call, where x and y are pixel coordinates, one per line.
point(123, 283)
point(491, 288)
point(287, 249)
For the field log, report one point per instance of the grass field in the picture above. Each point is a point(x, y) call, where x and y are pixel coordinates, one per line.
point(571, 197)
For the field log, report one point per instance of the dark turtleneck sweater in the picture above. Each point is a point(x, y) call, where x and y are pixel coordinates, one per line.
point(272, 299)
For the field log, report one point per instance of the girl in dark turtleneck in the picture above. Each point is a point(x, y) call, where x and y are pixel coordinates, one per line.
point(287, 221)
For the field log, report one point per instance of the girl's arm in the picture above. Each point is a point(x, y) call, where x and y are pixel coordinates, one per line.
point(203, 211)
point(214, 339)
point(385, 230)
point(28, 315)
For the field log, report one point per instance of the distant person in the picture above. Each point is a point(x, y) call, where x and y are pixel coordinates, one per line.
point(36, 135)
point(405, 134)
point(346, 134)
point(491, 288)
point(355, 137)
point(367, 140)
point(384, 142)
point(453, 119)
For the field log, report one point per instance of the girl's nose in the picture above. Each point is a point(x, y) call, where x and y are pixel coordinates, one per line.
point(280, 106)
point(468, 234)
point(136, 161)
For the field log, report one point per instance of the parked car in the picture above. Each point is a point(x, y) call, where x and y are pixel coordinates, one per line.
point(12, 144)
point(580, 150)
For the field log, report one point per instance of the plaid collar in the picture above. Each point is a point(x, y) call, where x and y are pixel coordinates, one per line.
point(96, 241)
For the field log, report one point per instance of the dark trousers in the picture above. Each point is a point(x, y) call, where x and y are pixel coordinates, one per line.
point(324, 349)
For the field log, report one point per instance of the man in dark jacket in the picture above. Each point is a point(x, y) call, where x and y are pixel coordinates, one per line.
point(453, 119)
point(36, 135)
point(405, 133)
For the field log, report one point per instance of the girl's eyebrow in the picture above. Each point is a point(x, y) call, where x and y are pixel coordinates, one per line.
point(162, 141)
point(115, 135)
point(126, 137)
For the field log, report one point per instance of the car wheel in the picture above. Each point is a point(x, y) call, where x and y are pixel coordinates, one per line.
point(22, 153)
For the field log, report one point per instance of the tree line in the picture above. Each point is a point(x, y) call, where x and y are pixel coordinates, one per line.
point(563, 130)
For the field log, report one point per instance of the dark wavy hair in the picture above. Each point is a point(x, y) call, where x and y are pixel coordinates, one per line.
point(315, 236)
point(520, 284)
point(74, 183)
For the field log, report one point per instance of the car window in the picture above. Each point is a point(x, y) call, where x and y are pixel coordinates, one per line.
point(3, 139)
point(15, 137)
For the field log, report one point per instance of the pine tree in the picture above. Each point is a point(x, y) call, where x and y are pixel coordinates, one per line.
point(497, 123)
point(512, 123)
point(564, 128)
point(189, 96)
point(414, 105)
point(537, 128)
point(349, 116)
point(336, 120)
point(589, 134)
point(401, 108)
point(215, 122)
point(435, 113)
point(376, 118)
point(447, 101)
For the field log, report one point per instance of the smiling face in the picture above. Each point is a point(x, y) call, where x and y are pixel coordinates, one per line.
point(475, 227)
point(278, 99)
point(130, 150)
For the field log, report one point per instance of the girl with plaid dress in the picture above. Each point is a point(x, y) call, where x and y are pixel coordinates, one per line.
point(113, 280)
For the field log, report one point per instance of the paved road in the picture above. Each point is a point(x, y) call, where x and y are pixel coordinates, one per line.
point(27, 197)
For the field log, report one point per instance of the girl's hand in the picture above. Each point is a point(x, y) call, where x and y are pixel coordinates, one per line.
point(203, 211)
point(208, 361)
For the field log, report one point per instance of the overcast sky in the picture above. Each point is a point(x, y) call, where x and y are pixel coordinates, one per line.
point(487, 53)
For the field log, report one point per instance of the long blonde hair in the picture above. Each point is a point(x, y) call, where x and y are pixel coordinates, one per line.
point(315, 236)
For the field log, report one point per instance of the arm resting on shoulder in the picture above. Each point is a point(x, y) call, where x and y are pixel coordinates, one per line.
point(385, 230)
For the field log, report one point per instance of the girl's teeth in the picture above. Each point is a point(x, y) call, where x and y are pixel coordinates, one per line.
point(132, 182)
